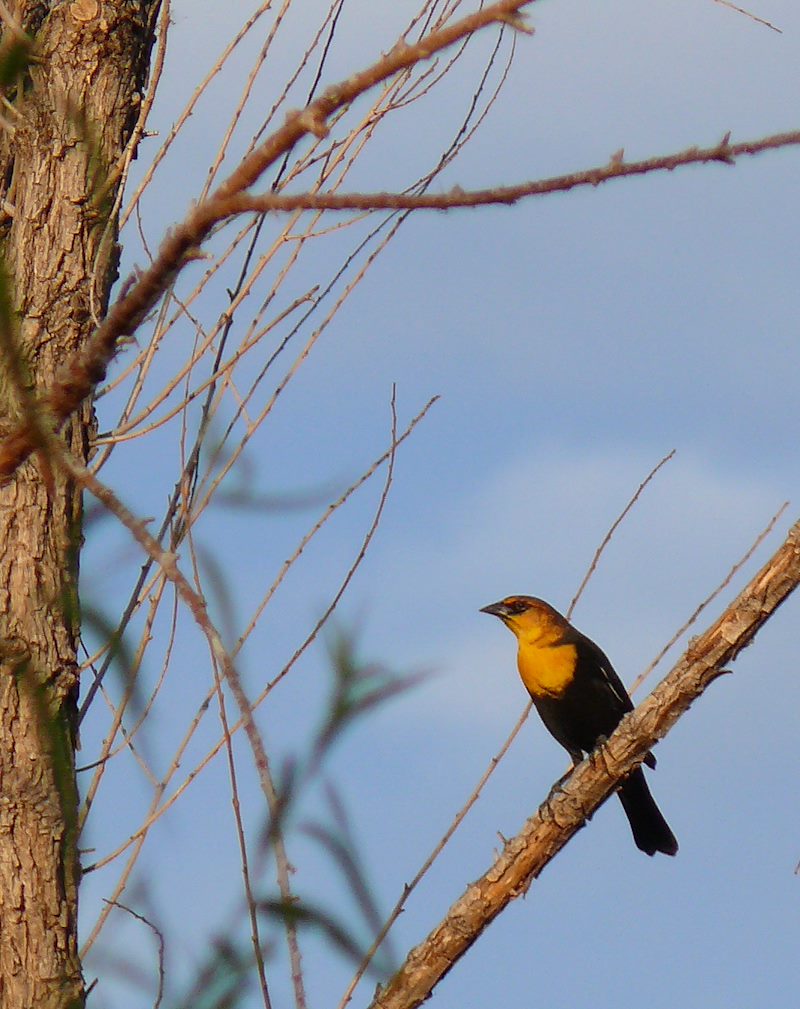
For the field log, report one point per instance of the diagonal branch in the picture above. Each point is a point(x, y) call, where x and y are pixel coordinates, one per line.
point(567, 807)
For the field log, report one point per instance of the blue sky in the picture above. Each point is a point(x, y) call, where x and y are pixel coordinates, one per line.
point(574, 341)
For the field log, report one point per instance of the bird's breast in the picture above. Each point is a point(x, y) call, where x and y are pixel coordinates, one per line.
point(546, 671)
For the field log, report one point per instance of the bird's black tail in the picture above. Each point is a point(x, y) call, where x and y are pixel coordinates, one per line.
point(650, 830)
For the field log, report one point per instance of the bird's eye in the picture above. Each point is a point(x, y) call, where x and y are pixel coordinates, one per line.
point(517, 605)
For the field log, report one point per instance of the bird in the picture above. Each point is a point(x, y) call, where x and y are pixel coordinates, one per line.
point(581, 700)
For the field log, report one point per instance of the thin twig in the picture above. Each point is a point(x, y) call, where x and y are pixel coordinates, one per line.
point(330, 510)
point(748, 14)
point(241, 836)
point(410, 887)
point(190, 106)
point(615, 525)
point(157, 811)
point(159, 939)
point(252, 903)
point(80, 376)
point(196, 604)
point(710, 599)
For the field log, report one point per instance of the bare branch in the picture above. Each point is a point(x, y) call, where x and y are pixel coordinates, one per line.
point(161, 946)
point(196, 604)
point(614, 526)
point(78, 379)
point(749, 14)
point(458, 198)
point(409, 888)
point(568, 807)
point(735, 569)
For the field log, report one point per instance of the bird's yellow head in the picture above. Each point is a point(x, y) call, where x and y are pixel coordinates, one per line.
point(530, 619)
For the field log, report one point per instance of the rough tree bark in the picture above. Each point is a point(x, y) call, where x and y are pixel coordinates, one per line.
point(74, 109)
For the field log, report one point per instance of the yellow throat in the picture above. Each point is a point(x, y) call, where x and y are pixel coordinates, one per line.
point(546, 670)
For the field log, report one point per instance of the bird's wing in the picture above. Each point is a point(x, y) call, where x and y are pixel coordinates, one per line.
point(603, 664)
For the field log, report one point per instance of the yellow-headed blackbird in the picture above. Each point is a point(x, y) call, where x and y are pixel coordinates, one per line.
point(581, 700)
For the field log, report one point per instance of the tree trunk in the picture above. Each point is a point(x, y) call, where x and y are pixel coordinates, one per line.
point(75, 106)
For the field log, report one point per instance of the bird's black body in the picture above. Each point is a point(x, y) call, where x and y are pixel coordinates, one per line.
point(581, 700)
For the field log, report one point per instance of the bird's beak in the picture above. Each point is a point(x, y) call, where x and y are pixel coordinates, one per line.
point(496, 610)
